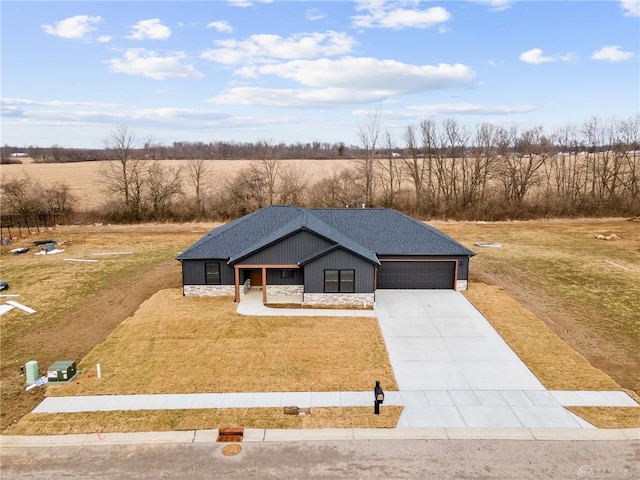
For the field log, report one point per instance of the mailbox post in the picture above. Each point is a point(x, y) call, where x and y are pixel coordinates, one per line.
point(378, 396)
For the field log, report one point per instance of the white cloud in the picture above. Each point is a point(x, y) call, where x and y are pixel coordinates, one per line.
point(611, 53)
point(631, 8)
point(150, 29)
point(314, 14)
point(246, 3)
point(71, 112)
point(54, 103)
point(77, 27)
point(220, 26)
point(104, 39)
point(347, 81)
point(364, 73)
point(138, 61)
point(470, 109)
point(294, 98)
point(239, 3)
point(535, 56)
point(496, 5)
point(269, 47)
point(382, 14)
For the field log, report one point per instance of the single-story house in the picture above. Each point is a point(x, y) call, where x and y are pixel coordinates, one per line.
point(326, 255)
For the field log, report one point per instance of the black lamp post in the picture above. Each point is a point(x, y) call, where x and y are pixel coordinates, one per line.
point(378, 396)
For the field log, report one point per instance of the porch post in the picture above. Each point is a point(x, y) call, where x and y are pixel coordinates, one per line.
point(236, 270)
point(264, 285)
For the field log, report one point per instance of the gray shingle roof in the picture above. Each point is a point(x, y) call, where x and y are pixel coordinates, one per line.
point(366, 232)
point(390, 232)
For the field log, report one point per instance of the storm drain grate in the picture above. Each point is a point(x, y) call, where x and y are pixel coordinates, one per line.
point(230, 434)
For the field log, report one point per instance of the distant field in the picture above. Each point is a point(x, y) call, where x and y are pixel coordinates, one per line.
point(84, 178)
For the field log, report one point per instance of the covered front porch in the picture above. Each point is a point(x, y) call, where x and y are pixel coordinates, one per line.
point(258, 281)
point(255, 295)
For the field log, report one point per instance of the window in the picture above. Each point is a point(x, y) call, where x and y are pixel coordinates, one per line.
point(286, 273)
point(332, 281)
point(212, 273)
point(339, 281)
point(347, 281)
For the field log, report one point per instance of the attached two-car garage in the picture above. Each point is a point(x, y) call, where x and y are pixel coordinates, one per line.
point(417, 274)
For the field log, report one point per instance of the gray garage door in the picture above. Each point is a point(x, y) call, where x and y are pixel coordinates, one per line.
point(418, 275)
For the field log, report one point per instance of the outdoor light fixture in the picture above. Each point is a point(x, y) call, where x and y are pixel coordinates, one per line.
point(378, 396)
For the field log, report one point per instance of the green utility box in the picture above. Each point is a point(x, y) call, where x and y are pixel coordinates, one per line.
point(62, 371)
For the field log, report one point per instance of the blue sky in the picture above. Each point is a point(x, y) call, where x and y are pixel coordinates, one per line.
point(303, 71)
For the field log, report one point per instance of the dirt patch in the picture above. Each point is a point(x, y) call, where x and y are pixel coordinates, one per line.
point(77, 333)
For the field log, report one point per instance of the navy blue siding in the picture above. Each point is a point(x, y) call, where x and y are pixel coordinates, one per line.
point(289, 251)
point(193, 272)
point(338, 260)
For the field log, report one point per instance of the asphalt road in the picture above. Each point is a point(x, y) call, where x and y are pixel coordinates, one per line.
point(378, 459)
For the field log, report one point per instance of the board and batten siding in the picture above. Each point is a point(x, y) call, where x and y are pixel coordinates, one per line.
point(193, 272)
point(274, 277)
point(338, 260)
point(288, 251)
point(463, 261)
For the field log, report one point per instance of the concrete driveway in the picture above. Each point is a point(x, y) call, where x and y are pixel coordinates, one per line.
point(454, 370)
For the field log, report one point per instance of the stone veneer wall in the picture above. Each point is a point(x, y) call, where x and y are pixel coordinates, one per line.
point(338, 299)
point(209, 290)
point(461, 285)
point(285, 289)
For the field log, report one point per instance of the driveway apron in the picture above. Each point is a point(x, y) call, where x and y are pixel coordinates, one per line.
point(454, 370)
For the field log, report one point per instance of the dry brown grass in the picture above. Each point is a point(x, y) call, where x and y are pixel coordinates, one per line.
point(177, 344)
point(609, 417)
point(79, 304)
point(559, 271)
point(203, 419)
point(552, 361)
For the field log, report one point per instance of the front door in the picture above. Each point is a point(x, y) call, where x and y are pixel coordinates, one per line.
point(256, 277)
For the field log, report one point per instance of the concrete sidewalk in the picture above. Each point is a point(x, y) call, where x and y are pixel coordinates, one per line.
point(328, 434)
point(427, 408)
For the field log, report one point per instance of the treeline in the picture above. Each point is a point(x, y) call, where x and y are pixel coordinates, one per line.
point(433, 170)
point(185, 151)
point(446, 170)
point(25, 198)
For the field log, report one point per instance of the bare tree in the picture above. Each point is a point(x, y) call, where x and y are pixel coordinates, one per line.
point(337, 190)
point(415, 166)
point(389, 172)
point(523, 154)
point(368, 135)
point(124, 174)
point(630, 137)
point(271, 169)
point(197, 177)
point(293, 186)
point(163, 184)
point(476, 169)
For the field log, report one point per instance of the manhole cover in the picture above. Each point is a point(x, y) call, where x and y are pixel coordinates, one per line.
point(231, 450)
